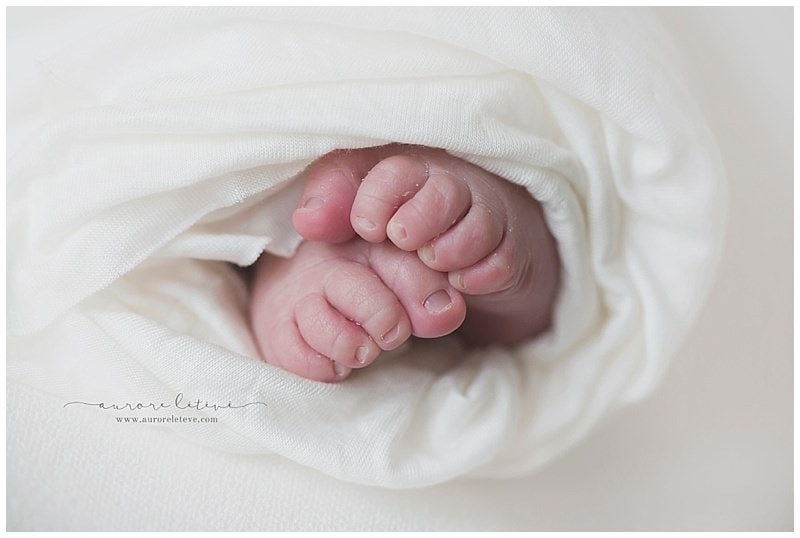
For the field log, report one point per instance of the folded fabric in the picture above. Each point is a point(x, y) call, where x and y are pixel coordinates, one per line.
point(152, 150)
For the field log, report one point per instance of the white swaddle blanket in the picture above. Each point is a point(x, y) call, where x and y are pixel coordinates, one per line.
point(149, 150)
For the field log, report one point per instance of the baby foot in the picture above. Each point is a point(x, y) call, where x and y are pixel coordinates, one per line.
point(488, 234)
point(331, 308)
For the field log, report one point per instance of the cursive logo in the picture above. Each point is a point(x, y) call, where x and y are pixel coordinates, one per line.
point(180, 402)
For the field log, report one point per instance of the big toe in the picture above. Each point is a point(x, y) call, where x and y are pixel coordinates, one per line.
point(328, 193)
point(434, 307)
point(330, 187)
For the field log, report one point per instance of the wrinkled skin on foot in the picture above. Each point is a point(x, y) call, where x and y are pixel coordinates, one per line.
point(334, 307)
point(488, 235)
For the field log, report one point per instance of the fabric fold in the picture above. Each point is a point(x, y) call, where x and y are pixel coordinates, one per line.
point(157, 151)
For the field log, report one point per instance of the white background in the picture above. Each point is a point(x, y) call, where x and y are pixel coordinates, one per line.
point(710, 450)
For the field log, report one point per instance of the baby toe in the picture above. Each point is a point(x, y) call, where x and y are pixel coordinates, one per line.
point(359, 295)
point(443, 200)
point(290, 351)
point(500, 271)
point(388, 185)
point(330, 333)
point(473, 238)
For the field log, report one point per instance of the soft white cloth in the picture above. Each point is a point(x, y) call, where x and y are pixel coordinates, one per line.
point(149, 148)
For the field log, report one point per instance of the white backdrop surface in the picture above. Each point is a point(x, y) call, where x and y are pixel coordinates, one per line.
point(710, 450)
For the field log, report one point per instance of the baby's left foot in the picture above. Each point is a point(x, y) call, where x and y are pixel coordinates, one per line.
point(330, 308)
point(488, 234)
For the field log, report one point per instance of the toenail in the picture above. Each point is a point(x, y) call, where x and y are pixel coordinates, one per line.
point(391, 335)
point(457, 280)
point(365, 224)
point(315, 202)
point(438, 301)
point(340, 370)
point(426, 254)
point(362, 354)
point(397, 231)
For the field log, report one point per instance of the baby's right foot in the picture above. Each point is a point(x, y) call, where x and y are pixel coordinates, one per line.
point(489, 235)
point(331, 308)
